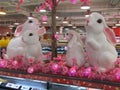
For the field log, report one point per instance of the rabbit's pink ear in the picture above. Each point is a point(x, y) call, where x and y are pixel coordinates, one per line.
point(18, 30)
point(42, 31)
point(110, 35)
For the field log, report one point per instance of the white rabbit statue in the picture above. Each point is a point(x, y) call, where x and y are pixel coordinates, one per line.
point(27, 44)
point(75, 49)
point(100, 43)
point(30, 24)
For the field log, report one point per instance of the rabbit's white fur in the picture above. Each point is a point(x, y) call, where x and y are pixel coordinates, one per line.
point(101, 51)
point(27, 44)
point(30, 24)
point(75, 49)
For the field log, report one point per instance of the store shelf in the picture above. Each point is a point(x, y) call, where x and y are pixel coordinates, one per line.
point(106, 85)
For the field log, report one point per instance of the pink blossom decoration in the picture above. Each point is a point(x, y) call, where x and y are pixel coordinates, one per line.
point(55, 67)
point(30, 70)
point(73, 1)
point(72, 71)
point(21, 1)
point(87, 71)
point(3, 63)
point(64, 70)
point(15, 63)
point(56, 36)
point(30, 60)
point(44, 18)
point(84, 1)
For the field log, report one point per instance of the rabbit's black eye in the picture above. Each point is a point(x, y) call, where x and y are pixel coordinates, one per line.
point(99, 20)
point(30, 21)
point(30, 34)
point(66, 33)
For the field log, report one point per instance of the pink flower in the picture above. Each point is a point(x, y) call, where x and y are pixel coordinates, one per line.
point(55, 67)
point(73, 1)
point(3, 63)
point(30, 60)
point(30, 69)
point(72, 71)
point(87, 71)
point(44, 18)
point(56, 36)
point(64, 70)
point(15, 63)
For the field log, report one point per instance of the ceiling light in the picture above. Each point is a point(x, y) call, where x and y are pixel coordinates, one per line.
point(16, 23)
point(85, 6)
point(30, 17)
point(57, 17)
point(44, 22)
point(86, 16)
point(117, 24)
point(42, 10)
point(70, 24)
point(10, 28)
point(65, 21)
point(2, 11)
point(74, 26)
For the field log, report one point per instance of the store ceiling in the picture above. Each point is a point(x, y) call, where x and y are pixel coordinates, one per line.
point(109, 8)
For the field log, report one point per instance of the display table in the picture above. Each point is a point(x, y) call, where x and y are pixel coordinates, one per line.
point(106, 85)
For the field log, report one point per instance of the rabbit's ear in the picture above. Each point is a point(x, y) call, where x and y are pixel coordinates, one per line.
point(18, 30)
point(42, 31)
point(110, 35)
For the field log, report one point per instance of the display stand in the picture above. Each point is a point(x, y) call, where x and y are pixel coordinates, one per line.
point(106, 85)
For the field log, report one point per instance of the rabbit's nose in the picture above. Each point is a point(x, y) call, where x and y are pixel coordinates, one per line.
point(30, 34)
point(30, 21)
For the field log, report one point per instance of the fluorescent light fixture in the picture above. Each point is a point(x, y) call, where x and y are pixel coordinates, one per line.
point(57, 17)
point(65, 22)
point(2, 13)
point(42, 10)
point(30, 17)
point(10, 28)
point(44, 22)
point(66, 29)
point(70, 24)
point(85, 7)
point(86, 15)
point(117, 24)
point(16, 23)
point(74, 27)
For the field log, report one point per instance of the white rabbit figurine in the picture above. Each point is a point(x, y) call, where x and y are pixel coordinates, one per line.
point(75, 49)
point(100, 43)
point(27, 44)
point(30, 24)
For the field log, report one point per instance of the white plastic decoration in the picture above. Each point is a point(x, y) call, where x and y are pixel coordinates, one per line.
point(75, 49)
point(100, 42)
point(27, 44)
point(30, 24)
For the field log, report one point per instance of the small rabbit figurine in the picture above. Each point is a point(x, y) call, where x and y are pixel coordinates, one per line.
point(30, 24)
point(27, 44)
point(75, 49)
point(100, 43)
